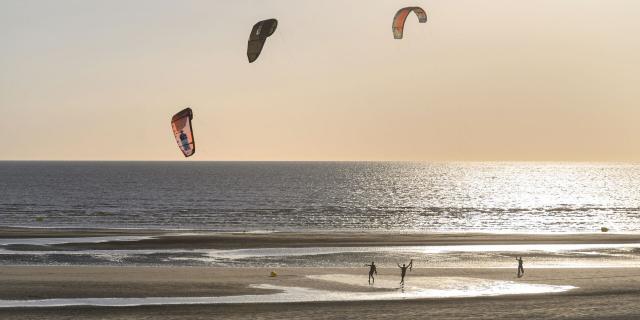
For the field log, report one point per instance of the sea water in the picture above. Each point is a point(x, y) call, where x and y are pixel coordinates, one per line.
point(325, 196)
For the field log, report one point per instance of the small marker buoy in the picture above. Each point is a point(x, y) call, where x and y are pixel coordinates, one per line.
point(273, 274)
point(604, 229)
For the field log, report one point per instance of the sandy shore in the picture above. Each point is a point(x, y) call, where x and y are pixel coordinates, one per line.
point(601, 293)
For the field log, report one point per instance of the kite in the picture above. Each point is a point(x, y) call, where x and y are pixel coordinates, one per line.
point(259, 34)
point(183, 132)
point(401, 17)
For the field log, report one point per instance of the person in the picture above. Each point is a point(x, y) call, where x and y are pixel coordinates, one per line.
point(403, 271)
point(520, 267)
point(372, 270)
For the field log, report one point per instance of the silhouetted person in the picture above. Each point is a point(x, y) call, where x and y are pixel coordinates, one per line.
point(403, 271)
point(372, 270)
point(520, 267)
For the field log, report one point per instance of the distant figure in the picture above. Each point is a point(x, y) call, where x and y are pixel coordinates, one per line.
point(403, 271)
point(520, 267)
point(372, 270)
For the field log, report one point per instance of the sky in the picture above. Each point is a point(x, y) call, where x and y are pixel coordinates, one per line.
point(501, 80)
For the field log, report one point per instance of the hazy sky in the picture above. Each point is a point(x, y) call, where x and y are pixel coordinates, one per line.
point(481, 80)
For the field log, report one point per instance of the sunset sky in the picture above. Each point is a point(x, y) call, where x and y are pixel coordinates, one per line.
point(481, 80)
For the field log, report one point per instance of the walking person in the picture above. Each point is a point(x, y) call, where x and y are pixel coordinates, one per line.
point(520, 267)
point(372, 270)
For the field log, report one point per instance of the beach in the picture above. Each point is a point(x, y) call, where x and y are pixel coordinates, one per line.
point(280, 159)
point(331, 292)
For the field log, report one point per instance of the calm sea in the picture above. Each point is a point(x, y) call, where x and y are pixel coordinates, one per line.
point(376, 196)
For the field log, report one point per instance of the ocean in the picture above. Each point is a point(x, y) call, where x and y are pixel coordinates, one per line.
point(525, 197)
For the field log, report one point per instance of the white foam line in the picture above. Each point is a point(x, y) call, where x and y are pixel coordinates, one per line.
point(308, 251)
point(50, 241)
point(311, 251)
point(102, 253)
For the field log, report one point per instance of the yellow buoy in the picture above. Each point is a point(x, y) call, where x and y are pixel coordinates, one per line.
point(273, 274)
point(604, 229)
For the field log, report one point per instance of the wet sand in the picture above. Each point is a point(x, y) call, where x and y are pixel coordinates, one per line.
point(602, 293)
point(240, 240)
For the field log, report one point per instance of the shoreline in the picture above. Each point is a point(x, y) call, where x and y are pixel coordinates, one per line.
point(26, 228)
point(161, 239)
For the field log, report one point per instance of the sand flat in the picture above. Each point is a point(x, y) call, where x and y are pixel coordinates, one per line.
point(595, 287)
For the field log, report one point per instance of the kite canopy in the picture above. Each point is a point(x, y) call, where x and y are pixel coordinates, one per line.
point(401, 17)
point(259, 34)
point(183, 132)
